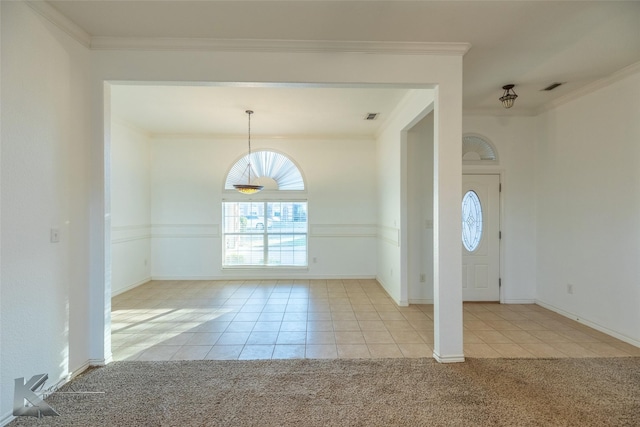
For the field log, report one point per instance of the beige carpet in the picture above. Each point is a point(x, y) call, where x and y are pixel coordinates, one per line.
point(385, 392)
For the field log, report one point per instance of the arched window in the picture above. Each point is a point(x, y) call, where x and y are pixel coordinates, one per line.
point(273, 170)
point(265, 231)
point(477, 149)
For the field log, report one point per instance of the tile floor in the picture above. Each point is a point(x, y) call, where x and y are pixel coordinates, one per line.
point(193, 320)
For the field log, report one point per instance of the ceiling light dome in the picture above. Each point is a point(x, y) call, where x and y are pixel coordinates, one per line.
point(509, 96)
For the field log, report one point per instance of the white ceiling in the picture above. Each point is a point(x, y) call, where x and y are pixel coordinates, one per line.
point(529, 43)
point(278, 111)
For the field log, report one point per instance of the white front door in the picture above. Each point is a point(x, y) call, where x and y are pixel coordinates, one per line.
point(480, 237)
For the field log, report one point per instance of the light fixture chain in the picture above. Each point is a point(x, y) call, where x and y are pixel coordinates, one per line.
point(248, 188)
point(249, 112)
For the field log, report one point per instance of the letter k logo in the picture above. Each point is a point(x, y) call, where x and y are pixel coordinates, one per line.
point(25, 391)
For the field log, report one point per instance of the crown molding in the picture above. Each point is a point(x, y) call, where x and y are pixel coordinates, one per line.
point(500, 112)
point(293, 46)
point(47, 11)
point(592, 87)
point(51, 14)
point(258, 138)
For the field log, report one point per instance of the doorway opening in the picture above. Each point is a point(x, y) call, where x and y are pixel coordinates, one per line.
point(140, 237)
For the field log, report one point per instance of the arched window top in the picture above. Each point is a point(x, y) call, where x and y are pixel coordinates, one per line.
point(477, 149)
point(273, 170)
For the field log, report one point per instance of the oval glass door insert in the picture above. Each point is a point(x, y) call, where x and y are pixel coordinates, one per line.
point(471, 221)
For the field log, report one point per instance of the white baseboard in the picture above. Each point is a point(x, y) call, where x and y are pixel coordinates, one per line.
point(589, 323)
point(508, 301)
point(400, 303)
point(454, 358)
point(100, 362)
point(420, 301)
point(7, 418)
point(128, 288)
point(242, 275)
point(205, 277)
point(79, 370)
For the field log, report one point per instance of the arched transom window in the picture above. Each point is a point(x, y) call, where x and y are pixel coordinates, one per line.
point(478, 150)
point(273, 170)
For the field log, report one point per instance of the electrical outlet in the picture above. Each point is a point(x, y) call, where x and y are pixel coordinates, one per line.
point(570, 288)
point(423, 278)
point(315, 260)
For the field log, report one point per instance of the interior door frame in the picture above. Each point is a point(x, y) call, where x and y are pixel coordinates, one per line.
point(476, 170)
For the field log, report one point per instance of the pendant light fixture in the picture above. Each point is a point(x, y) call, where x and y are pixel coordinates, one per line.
point(248, 188)
point(508, 97)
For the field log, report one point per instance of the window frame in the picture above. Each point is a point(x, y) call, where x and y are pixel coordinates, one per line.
point(264, 232)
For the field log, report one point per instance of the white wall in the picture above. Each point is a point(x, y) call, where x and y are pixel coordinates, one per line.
point(392, 177)
point(420, 211)
point(44, 186)
point(130, 207)
point(588, 205)
point(56, 170)
point(187, 183)
point(299, 65)
point(515, 139)
point(53, 172)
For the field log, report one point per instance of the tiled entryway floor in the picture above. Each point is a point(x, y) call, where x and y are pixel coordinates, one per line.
point(193, 320)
